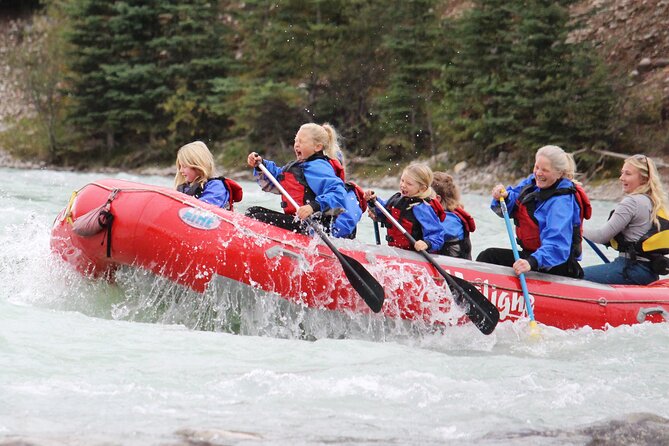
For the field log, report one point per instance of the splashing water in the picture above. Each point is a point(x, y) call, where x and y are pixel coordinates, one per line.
point(143, 361)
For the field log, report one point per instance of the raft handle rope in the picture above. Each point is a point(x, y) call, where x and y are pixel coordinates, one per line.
point(645, 312)
point(106, 219)
point(68, 210)
point(599, 301)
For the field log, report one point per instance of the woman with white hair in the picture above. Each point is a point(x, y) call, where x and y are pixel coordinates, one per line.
point(548, 208)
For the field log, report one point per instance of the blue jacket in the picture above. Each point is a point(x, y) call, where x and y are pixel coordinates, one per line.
point(214, 192)
point(557, 217)
point(453, 227)
point(346, 223)
point(330, 192)
point(433, 231)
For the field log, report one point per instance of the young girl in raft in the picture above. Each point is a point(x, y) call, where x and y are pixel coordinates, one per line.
point(458, 223)
point(315, 180)
point(195, 176)
point(416, 208)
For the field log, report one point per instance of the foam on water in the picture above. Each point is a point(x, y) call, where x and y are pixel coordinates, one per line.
point(143, 361)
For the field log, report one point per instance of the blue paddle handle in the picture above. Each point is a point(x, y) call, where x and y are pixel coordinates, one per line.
point(516, 255)
point(597, 251)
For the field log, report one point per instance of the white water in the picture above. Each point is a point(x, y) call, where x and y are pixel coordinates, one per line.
point(144, 362)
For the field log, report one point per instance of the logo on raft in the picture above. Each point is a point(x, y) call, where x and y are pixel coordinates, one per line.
point(199, 218)
point(510, 303)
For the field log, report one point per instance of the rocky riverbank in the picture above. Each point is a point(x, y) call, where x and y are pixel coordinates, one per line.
point(631, 35)
point(469, 179)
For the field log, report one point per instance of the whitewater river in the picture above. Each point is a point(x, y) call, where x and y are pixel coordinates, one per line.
point(138, 363)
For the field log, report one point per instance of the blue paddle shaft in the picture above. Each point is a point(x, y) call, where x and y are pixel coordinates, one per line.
point(597, 251)
point(516, 255)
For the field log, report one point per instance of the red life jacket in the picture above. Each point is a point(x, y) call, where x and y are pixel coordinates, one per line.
point(401, 208)
point(460, 248)
point(234, 190)
point(350, 185)
point(293, 180)
point(467, 220)
point(359, 194)
point(527, 226)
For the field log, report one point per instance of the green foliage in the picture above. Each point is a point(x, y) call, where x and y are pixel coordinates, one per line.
point(40, 56)
point(195, 49)
point(515, 84)
point(413, 45)
point(326, 52)
point(395, 78)
point(265, 114)
point(26, 139)
point(144, 69)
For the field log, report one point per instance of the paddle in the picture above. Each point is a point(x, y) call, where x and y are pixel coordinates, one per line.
point(523, 282)
point(361, 280)
point(377, 236)
point(479, 309)
point(597, 250)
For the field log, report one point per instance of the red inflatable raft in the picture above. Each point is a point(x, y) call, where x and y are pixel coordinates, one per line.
point(191, 242)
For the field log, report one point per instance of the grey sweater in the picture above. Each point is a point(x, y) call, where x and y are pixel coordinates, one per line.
point(631, 217)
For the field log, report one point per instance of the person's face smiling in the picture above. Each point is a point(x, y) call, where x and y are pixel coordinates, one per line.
point(630, 178)
point(544, 173)
point(305, 146)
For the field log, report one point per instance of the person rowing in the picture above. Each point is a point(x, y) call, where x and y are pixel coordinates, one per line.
point(548, 208)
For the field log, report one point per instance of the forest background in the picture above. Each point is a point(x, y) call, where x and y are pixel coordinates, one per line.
point(471, 86)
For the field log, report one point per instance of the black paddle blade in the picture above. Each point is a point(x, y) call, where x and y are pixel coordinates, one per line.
point(480, 310)
point(363, 282)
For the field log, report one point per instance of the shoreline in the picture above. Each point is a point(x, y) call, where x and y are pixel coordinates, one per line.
point(471, 181)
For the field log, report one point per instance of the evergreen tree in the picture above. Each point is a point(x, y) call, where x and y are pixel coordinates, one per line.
point(477, 80)
point(413, 50)
point(532, 89)
point(194, 49)
point(356, 70)
point(319, 60)
point(90, 36)
point(144, 71)
point(264, 99)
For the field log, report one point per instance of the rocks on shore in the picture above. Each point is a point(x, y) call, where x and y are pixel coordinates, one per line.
point(473, 180)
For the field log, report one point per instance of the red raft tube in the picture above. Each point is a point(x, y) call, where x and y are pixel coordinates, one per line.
point(112, 222)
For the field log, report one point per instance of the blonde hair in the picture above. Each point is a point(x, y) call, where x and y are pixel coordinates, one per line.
point(421, 174)
point(448, 191)
point(327, 136)
point(195, 154)
point(652, 185)
point(560, 160)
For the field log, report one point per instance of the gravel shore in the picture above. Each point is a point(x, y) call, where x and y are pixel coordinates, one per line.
point(469, 179)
